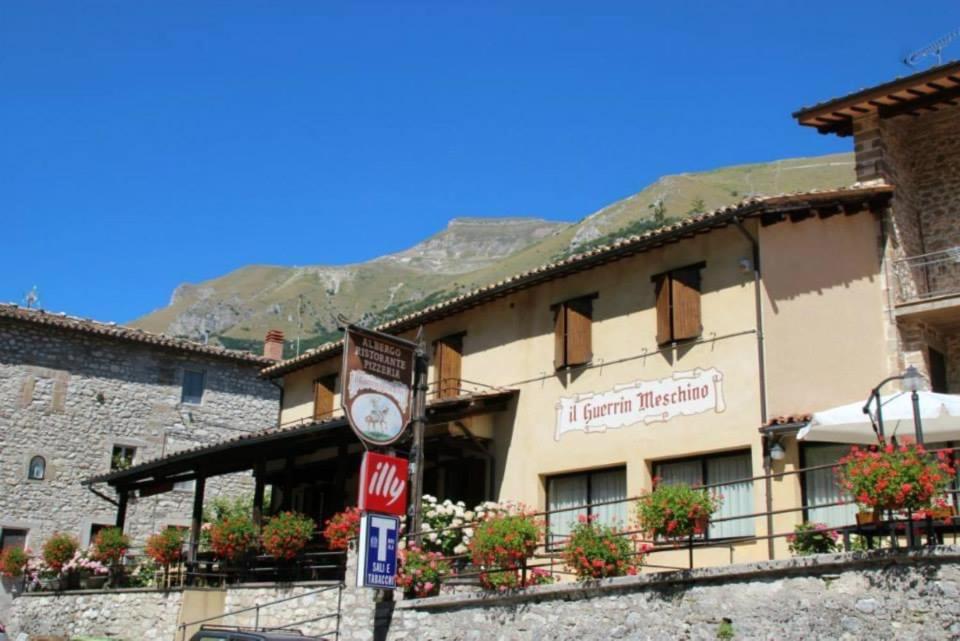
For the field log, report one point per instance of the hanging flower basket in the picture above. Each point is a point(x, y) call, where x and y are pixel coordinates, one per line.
point(895, 478)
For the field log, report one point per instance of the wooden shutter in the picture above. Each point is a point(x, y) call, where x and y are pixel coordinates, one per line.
point(560, 336)
point(323, 397)
point(449, 355)
point(664, 325)
point(579, 319)
point(685, 294)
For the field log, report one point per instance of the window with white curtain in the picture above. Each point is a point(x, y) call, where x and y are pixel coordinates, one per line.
point(709, 470)
point(821, 487)
point(585, 489)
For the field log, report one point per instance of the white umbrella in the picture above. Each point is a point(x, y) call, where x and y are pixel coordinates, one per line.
point(939, 418)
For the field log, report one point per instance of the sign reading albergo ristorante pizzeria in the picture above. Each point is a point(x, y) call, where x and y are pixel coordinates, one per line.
point(683, 394)
point(378, 384)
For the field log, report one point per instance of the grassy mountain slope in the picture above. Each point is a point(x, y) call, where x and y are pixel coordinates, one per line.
point(237, 309)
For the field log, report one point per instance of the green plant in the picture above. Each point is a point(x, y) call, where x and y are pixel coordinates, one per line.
point(233, 537)
point(286, 534)
point(895, 478)
point(341, 528)
point(166, 547)
point(58, 550)
point(500, 547)
point(697, 206)
point(420, 572)
point(596, 551)
point(143, 575)
point(812, 538)
point(13, 562)
point(725, 629)
point(110, 545)
point(676, 511)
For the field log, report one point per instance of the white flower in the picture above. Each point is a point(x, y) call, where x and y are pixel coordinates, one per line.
point(468, 532)
point(460, 549)
point(469, 515)
point(432, 537)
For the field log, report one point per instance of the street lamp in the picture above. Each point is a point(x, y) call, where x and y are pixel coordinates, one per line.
point(912, 381)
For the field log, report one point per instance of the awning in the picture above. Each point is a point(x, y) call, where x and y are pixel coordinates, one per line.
point(939, 418)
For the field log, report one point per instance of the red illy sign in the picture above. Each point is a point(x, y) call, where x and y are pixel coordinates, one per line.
point(383, 484)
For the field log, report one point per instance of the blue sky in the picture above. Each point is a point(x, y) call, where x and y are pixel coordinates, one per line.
point(146, 144)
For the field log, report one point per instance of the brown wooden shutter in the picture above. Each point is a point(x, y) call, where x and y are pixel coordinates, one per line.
point(560, 336)
point(449, 355)
point(579, 320)
point(664, 325)
point(686, 303)
point(323, 397)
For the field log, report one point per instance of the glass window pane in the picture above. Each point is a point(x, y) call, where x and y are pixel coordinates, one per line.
point(737, 497)
point(821, 486)
point(563, 492)
point(12, 538)
point(610, 485)
point(192, 387)
point(688, 472)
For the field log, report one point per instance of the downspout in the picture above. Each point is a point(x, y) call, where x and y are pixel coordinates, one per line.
point(762, 376)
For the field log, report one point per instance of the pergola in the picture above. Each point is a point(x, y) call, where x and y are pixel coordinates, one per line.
point(273, 453)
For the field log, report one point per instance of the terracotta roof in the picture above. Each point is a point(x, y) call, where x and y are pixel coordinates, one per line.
point(61, 321)
point(924, 91)
point(258, 438)
point(769, 208)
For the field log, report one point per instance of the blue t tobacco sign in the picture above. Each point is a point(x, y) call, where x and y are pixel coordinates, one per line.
point(377, 557)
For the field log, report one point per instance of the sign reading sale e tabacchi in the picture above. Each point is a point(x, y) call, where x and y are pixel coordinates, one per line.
point(378, 384)
point(383, 484)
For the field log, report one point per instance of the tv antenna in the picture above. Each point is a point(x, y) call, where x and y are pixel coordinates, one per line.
point(32, 298)
point(935, 48)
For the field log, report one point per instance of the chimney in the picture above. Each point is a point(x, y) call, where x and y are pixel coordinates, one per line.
point(273, 345)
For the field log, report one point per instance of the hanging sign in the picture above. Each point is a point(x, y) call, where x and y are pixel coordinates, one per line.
point(377, 554)
point(378, 384)
point(683, 394)
point(383, 484)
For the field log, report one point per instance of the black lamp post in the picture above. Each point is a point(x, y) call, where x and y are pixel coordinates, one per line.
point(912, 380)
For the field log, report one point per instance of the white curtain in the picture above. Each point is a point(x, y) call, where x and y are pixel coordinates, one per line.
point(822, 488)
point(737, 498)
point(609, 486)
point(564, 492)
point(684, 472)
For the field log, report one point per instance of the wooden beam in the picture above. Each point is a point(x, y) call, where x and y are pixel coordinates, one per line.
point(122, 508)
point(927, 100)
point(196, 520)
point(259, 472)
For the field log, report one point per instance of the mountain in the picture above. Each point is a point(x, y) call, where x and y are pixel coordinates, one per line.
point(237, 309)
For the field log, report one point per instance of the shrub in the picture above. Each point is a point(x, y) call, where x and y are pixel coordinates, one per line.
point(233, 537)
point(341, 528)
point(286, 534)
point(812, 538)
point(13, 562)
point(110, 545)
point(448, 525)
point(676, 511)
point(895, 478)
point(596, 551)
point(500, 547)
point(420, 572)
point(84, 562)
point(166, 547)
point(59, 549)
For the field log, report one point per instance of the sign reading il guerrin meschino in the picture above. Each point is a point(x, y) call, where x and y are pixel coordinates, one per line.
point(378, 384)
point(683, 394)
point(377, 553)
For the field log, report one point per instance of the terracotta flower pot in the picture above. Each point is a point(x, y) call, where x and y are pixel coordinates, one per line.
point(866, 518)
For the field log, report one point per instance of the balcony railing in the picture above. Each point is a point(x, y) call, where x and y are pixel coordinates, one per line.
point(927, 276)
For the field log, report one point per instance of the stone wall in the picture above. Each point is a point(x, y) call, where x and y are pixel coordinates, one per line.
point(880, 595)
point(133, 615)
point(307, 601)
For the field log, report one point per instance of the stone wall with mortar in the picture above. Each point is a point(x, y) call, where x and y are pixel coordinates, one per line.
point(71, 397)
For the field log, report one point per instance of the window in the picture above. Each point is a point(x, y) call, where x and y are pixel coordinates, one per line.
point(192, 391)
point(12, 538)
point(122, 457)
point(585, 488)
point(38, 468)
point(678, 304)
point(710, 470)
point(448, 354)
point(95, 529)
point(571, 332)
point(820, 487)
point(323, 396)
point(938, 371)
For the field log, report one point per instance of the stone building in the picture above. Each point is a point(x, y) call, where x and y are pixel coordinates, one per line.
point(79, 398)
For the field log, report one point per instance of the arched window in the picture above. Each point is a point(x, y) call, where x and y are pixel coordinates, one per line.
point(38, 468)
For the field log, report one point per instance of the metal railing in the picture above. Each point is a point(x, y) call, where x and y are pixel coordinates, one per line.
point(258, 608)
point(896, 531)
point(927, 276)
